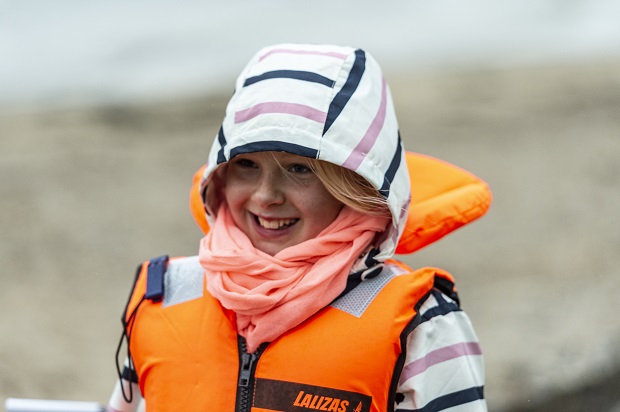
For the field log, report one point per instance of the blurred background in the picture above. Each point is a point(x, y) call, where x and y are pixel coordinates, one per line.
point(107, 109)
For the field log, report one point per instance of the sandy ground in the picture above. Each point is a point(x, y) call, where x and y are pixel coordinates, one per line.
point(86, 194)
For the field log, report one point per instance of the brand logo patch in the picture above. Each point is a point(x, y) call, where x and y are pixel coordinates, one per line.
point(295, 397)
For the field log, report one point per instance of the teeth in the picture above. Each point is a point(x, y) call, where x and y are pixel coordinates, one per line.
point(275, 224)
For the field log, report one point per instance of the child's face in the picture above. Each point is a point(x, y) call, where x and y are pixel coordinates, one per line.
point(276, 200)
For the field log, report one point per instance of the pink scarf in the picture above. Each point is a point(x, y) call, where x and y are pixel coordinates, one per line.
point(272, 294)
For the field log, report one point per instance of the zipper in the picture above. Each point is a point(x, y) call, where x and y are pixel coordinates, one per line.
point(247, 368)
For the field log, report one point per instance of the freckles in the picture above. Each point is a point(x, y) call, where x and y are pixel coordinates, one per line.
point(311, 195)
point(233, 199)
point(321, 204)
point(235, 187)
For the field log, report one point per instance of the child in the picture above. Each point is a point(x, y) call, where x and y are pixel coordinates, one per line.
point(294, 302)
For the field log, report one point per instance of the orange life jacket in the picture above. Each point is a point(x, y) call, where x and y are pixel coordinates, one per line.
point(346, 357)
point(188, 355)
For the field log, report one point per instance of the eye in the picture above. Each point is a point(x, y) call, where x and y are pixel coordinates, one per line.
point(245, 163)
point(299, 169)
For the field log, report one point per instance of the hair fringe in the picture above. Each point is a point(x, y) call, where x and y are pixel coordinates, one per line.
point(350, 188)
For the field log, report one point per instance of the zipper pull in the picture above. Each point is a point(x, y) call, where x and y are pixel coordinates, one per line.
point(247, 365)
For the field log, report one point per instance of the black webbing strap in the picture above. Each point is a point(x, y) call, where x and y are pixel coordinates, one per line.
point(129, 375)
point(156, 271)
point(155, 278)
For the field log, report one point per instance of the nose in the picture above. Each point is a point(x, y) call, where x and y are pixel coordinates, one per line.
point(269, 190)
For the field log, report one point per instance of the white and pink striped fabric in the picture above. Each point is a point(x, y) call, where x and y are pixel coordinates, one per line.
point(444, 367)
point(321, 101)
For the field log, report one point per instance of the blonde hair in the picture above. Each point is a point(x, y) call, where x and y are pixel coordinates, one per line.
point(343, 184)
point(350, 188)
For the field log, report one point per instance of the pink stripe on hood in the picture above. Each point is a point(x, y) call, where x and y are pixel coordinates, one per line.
point(283, 108)
point(363, 147)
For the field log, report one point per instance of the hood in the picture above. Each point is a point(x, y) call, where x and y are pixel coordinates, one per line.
point(325, 102)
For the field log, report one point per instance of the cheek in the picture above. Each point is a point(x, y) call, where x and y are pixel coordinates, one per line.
point(215, 193)
point(235, 200)
point(321, 206)
point(233, 189)
point(234, 196)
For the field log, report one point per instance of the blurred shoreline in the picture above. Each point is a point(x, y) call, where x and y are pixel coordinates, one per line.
point(88, 193)
point(115, 52)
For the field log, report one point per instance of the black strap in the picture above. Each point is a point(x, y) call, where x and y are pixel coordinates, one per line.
point(155, 278)
point(129, 375)
point(156, 270)
point(370, 258)
point(126, 372)
point(447, 288)
point(356, 278)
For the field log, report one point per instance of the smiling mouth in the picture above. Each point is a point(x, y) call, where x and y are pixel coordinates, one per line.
point(275, 224)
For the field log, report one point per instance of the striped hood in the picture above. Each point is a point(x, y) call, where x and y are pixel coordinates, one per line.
point(325, 102)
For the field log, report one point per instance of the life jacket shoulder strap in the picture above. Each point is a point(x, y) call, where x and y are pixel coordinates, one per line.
point(444, 282)
point(155, 269)
point(166, 280)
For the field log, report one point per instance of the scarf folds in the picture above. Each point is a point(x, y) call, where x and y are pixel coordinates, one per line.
point(272, 294)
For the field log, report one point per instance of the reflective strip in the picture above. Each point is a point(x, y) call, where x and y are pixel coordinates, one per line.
point(184, 281)
point(357, 301)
